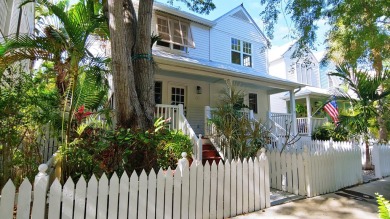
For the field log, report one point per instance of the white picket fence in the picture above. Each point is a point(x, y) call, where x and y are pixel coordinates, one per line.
point(216, 191)
point(381, 160)
point(314, 172)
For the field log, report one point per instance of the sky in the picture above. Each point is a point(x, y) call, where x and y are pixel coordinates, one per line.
point(254, 8)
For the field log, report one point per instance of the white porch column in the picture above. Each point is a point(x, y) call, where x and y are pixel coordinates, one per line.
point(308, 107)
point(293, 113)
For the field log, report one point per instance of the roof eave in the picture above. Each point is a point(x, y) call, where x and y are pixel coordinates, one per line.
point(170, 10)
point(288, 85)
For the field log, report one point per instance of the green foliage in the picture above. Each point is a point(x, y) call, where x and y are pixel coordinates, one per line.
point(170, 147)
point(198, 6)
point(366, 89)
point(359, 29)
point(99, 149)
point(241, 135)
point(383, 207)
point(328, 130)
point(27, 102)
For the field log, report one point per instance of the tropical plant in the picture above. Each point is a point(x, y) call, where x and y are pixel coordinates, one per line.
point(242, 136)
point(367, 90)
point(360, 32)
point(27, 102)
point(98, 149)
point(328, 131)
point(64, 38)
point(383, 207)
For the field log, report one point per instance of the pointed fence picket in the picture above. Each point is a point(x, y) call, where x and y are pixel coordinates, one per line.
point(216, 191)
point(321, 167)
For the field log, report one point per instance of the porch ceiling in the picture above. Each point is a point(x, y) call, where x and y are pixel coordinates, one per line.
point(194, 69)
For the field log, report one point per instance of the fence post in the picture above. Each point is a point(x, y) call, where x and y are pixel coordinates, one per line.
point(180, 119)
point(307, 172)
point(41, 185)
point(376, 161)
point(42, 175)
point(207, 115)
point(200, 148)
point(183, 162)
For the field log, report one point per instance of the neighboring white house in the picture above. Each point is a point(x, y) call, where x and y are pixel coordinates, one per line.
point(304, 70)
point(15, 19)
point(196, 57)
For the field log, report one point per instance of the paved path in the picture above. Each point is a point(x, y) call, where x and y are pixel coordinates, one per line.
point(355, 202)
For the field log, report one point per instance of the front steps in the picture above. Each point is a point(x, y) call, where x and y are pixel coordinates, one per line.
point(209, 153)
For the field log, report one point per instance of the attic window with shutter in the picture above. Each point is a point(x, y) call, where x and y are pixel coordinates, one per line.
point(175, 34)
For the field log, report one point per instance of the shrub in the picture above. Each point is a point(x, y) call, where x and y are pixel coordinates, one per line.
point(328, 130)
point(99, 149)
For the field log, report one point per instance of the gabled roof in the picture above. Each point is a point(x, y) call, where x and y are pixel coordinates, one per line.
point(177, 12)
point(277, 52)
point(231, 69)
point(241, 7)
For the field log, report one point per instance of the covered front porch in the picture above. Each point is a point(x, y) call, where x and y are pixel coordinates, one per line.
point(199, 83)
point(309, 103)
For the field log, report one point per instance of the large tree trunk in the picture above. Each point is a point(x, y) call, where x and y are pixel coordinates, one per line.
point(143, 63)
point(378, 66)
point(126, 99)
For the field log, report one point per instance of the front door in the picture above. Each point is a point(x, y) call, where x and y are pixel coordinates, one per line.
point(178, 96)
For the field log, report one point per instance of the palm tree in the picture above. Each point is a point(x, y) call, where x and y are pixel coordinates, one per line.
point(367, 89)
point(64, 37)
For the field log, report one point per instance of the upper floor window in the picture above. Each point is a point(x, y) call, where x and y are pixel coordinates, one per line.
point(174, 33)
point(241, 52)
point(304, 73)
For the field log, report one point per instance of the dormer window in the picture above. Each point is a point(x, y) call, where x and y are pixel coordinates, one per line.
point(304, 73)
point(241, 52)
point(174, 33)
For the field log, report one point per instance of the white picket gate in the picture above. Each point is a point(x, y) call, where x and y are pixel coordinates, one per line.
point(381, 160)
point(316, 170)
point(216, 191)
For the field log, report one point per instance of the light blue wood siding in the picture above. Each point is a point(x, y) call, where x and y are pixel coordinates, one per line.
point(201, 37)
point(228, 27)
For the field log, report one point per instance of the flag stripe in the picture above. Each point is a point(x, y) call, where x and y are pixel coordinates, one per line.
point(331, 109)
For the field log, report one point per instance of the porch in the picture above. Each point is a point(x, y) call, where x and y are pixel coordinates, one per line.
point(304, 125)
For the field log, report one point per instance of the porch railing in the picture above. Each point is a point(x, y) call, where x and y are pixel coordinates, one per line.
point(303, 125)
point(306, 125)
point(281, 119)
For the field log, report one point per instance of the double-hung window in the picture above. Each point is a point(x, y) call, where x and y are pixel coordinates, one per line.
point(174, 33)
point(304, 73)
point(241, 52)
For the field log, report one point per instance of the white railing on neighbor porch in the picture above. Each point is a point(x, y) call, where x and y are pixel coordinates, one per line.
point(178, 121)
point(303, 125)
point(306, 125)
point(216, 191)
point(321, 167)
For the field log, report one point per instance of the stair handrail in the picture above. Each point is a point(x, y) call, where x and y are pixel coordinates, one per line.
point(196, 141)
point(275, 141)
point(210, 132)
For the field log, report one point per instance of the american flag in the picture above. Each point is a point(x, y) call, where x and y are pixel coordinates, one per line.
point(332, 110)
